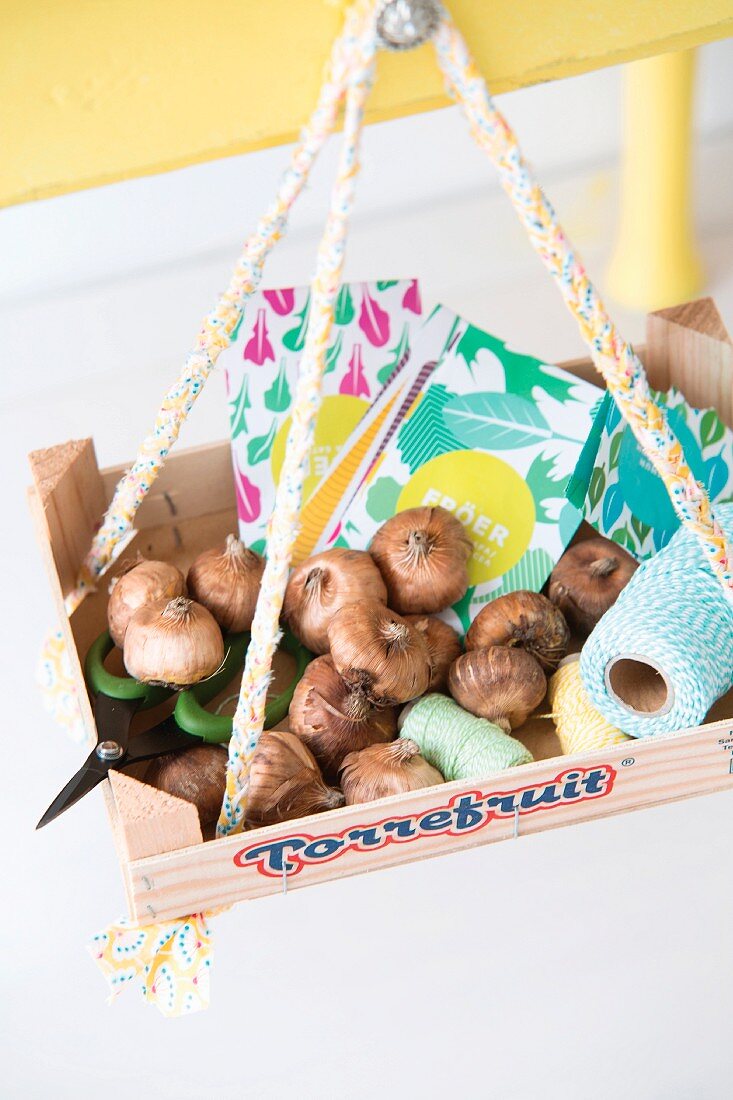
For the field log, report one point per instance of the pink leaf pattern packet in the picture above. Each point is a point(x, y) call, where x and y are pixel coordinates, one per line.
point(373, 321)
point(411, 298)
point(354, 381)
point(281, 301)
point(258, 348)
point(248, 497)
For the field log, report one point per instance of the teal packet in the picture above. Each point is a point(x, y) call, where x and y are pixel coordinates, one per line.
point(618, 491)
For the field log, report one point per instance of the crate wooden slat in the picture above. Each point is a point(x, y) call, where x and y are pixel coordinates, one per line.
point(357, 839)
point(169, 870)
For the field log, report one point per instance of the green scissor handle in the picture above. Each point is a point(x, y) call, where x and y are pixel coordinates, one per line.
point(193, 718)
point(103, 682)
point(190, 711)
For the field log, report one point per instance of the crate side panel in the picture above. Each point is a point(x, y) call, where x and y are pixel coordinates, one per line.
point(193, 482)
point(438, 821)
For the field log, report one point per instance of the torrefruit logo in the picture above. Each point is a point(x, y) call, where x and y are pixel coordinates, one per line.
point(466, 812)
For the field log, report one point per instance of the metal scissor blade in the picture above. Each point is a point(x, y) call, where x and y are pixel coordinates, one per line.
point(90, 774)
point(166, 737)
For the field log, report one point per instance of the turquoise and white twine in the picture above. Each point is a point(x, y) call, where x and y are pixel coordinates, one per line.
point(674, 616)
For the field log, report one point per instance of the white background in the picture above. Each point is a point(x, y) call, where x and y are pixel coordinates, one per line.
point(591, 962)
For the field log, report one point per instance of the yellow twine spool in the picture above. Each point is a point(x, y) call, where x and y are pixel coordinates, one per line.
point(579, 725)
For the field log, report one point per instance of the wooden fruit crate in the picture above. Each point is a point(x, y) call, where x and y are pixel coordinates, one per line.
point(169, 869)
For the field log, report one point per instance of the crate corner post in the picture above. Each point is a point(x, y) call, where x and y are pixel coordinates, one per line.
point(688, 346)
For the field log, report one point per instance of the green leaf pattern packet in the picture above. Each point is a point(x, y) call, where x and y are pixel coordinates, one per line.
point(620, 493)
point(493, 436)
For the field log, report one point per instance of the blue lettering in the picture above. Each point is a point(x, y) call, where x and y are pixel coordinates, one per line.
point(548, 795)
point(595, 781)
point(468, 812)
point(403, 828)
point(323, 848)
point(368, 836)
point(505, 802)
point(571, 789)
point(272, 854)
point(435, 822)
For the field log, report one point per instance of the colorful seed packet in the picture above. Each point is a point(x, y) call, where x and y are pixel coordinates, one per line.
point(375, 323)
point(493, 436)
point(620, 492)
point(319, 518)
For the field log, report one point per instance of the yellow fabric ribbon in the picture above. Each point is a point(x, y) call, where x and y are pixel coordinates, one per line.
point(171, 958)
point(58, 689)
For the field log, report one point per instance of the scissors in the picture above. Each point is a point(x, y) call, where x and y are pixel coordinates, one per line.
point(117, 699)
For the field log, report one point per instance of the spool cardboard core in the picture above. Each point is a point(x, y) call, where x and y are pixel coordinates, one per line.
point(638, 685)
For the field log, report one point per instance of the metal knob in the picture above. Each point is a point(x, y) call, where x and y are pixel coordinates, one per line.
point(109, 750)
point(403, 24)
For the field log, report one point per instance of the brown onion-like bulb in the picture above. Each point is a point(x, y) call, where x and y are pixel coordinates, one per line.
point(324, 583)
point(502, 684)
point(226, 580)
point(379, 652)
point(444, 645)
point(334, 719)
point(139, 583)
point(285, 782)
point(175, 643)
point(524, 619)
point(588, 580)
point(422, 554)
point(382, 770)
point(197, 775)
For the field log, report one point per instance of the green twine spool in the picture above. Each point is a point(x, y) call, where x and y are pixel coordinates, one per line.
point(458, 744)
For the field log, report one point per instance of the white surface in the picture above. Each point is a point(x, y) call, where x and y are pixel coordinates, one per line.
point(587, 962)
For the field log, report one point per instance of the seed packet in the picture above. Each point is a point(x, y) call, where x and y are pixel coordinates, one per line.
point(320, 517)
point(374, 327)
point(493, 436)
point(620, 492)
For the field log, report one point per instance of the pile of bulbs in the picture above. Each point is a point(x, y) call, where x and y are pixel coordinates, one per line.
point(370, 617)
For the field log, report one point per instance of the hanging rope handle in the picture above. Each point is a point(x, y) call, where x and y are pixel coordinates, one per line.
point(351, 68)
point(284, 522)
point(221, 323)
point(612, 356)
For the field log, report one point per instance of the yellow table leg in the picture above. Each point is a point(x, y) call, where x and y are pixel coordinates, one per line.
point(655, 261)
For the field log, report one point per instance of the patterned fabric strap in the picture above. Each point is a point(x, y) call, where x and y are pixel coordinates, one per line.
point(172, 959)
point(285, 520)
point(221, 323)
point(614, 358)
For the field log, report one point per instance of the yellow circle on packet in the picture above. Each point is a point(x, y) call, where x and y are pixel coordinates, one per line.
point(490, 499)
point(337, 418)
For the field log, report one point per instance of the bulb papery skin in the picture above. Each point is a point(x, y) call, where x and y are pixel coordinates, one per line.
point(285, 782)
point(379, 652)
point(197, 775)
point(140, 583)
point(500, 683)
point(226, 580)
point(334, 719)
point(524, 619)
point(175, 643)
point(383, 770)
point(444, 646)
point(423, 555)
point(588, 580)
point(323, 584)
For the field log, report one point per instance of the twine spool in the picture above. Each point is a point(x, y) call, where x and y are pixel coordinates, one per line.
point(579, 726)
point(663, 654)
point(459, 745)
